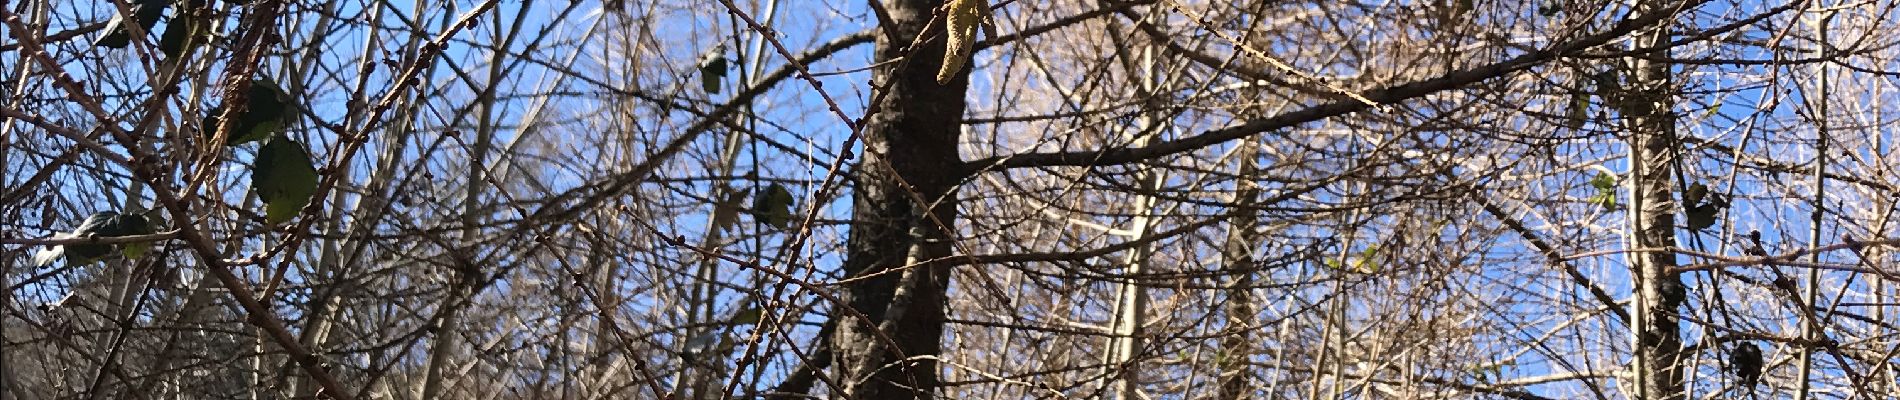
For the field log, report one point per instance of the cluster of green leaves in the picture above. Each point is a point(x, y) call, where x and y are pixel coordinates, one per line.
point(186, 31)
point(283, 174)
point(773, 207)
point(103, 224)
point(266, 106)
point(284, 177)
point(145, 13)
point(1606, 191)
point(1364, 262)
point(1604, 84)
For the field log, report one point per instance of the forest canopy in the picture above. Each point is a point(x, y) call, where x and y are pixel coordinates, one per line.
point(909, 199)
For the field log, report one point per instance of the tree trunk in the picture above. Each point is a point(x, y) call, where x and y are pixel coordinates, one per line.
point(1123, 360)
point(1237, 347)
point(904, 214)
point(1647, 102)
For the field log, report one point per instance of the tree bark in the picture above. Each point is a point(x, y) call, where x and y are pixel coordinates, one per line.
point(1647, 102)
point(904, 214)
point(1237, 347)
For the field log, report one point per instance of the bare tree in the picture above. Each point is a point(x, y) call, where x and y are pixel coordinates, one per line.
point(946, 199)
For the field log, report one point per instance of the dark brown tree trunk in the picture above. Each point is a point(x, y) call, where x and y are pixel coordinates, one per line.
point(905, 212)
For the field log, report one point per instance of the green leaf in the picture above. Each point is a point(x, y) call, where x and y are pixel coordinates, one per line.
point(81, 254)
point(774, 206)
point(1692, 196)
point(154, 217)
point(726, 210)
point(1579, 110)
point(1606, 199)
point(119, 34)
point(284, 177)
point(133, 225)
point(98, 225)
point(1364, 264)
point(1710, 112)
point(125, 225)
point(1700, 206)
point(185, 32)
point(135, 250)
point(1360, 262)
point(264, 115)
point(712, 70)
point(1604, 182)
point(750, 315)
point(1701, 218)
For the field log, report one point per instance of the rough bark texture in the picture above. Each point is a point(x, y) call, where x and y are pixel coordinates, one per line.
point(1237, 347)
point(910, 154)
point(1647, 102)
